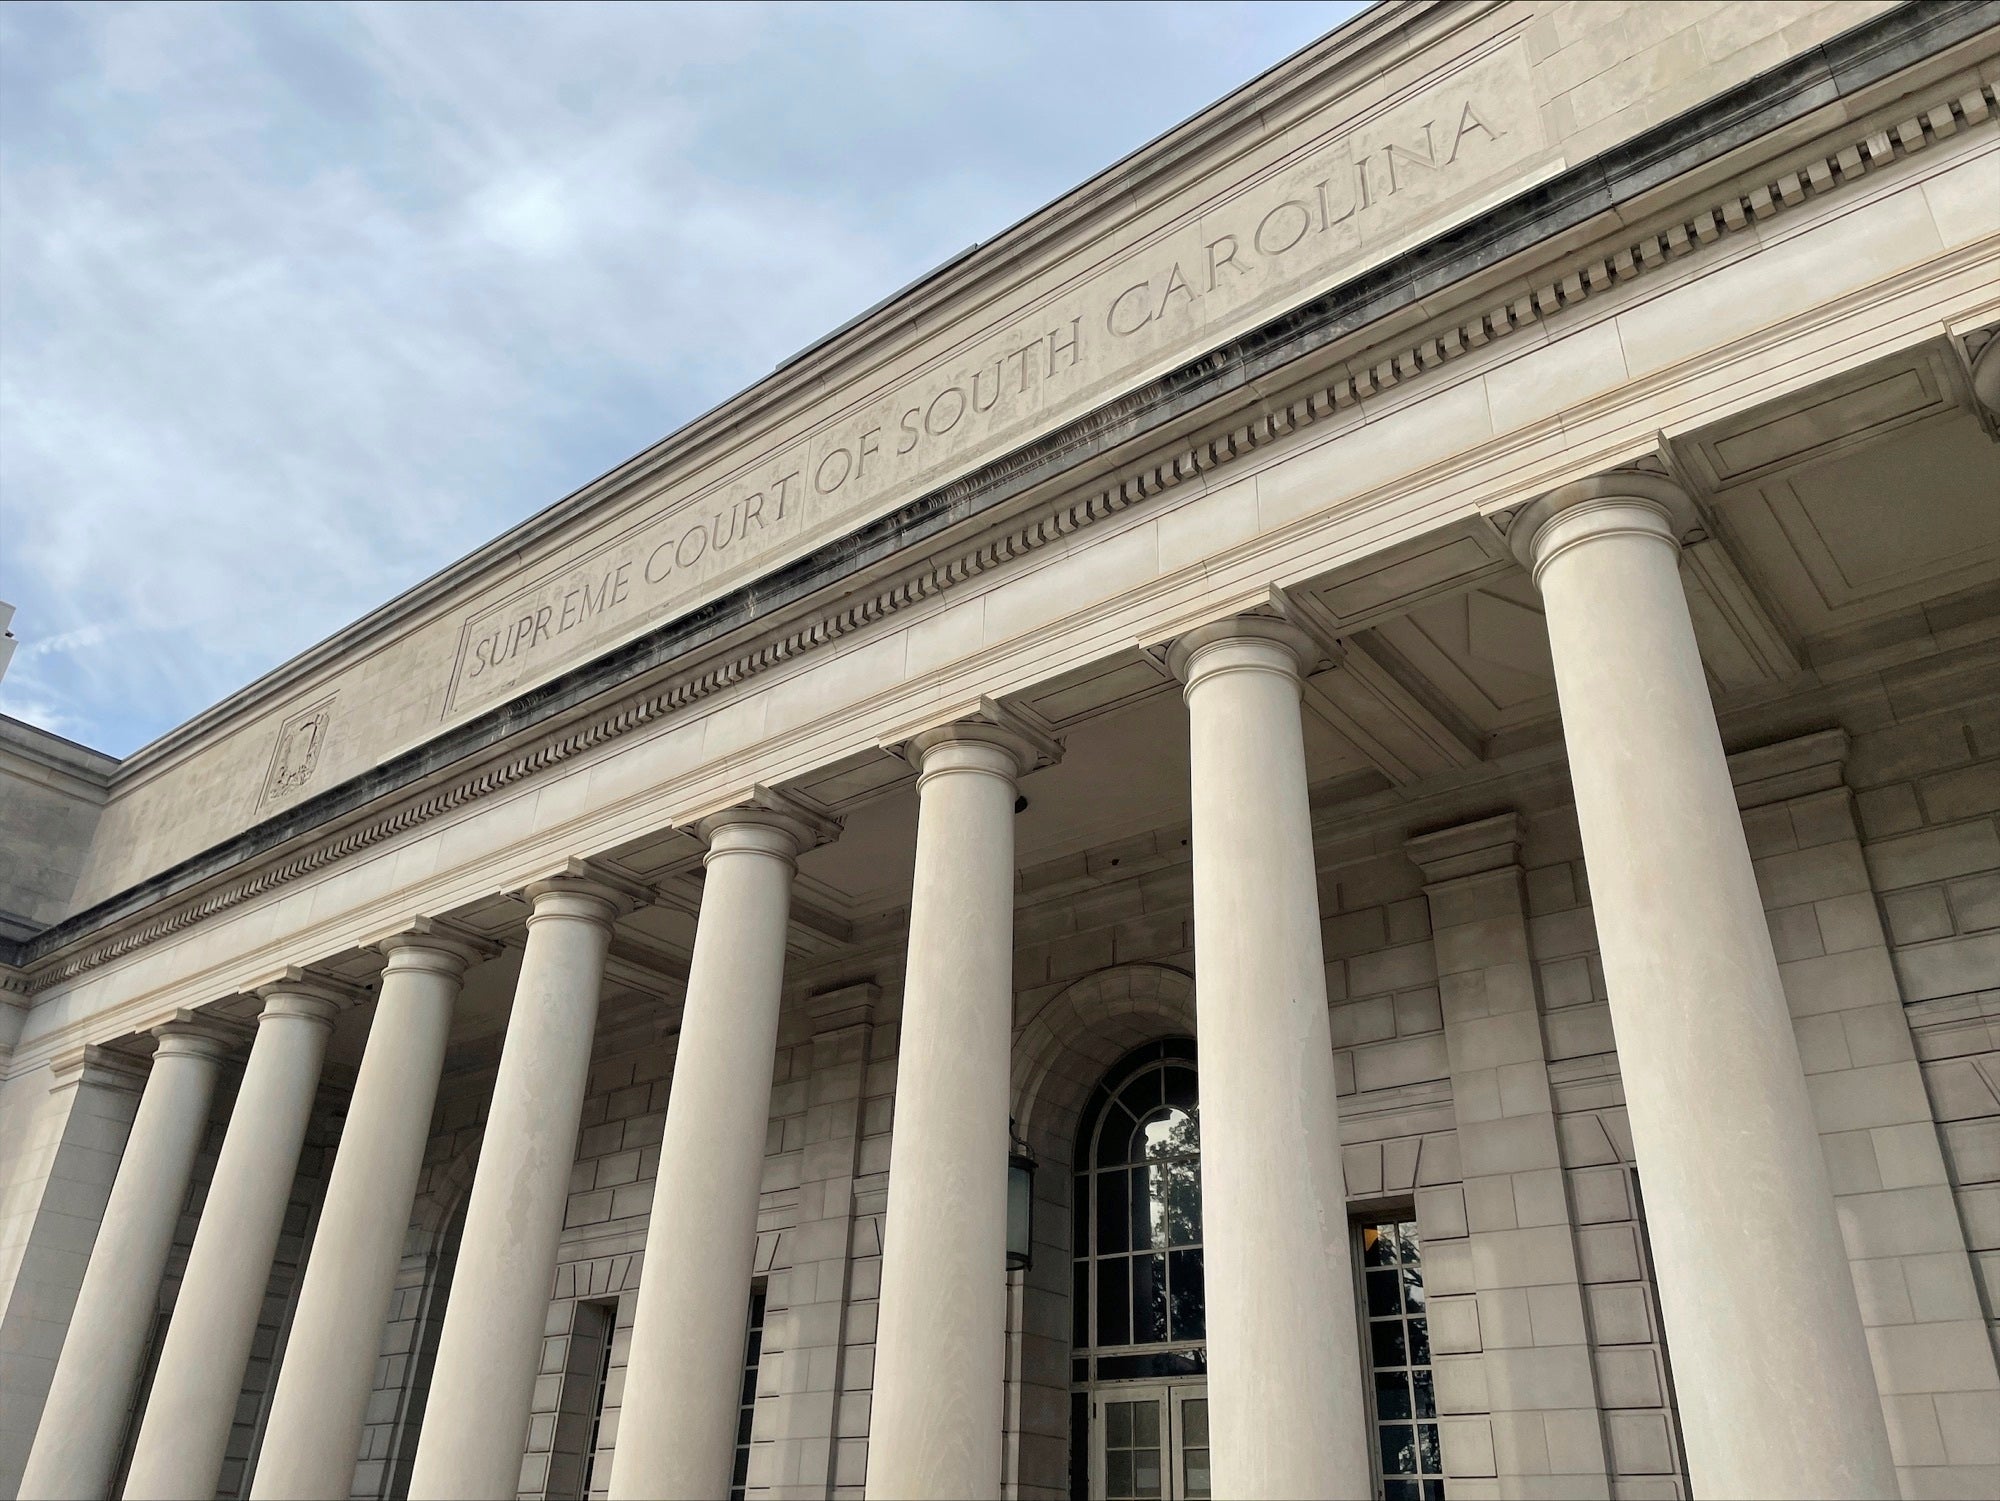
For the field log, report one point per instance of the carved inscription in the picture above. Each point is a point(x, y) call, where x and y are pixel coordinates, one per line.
point(1346, 203)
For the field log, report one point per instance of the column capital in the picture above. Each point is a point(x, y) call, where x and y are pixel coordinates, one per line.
point(764, 820)
point(1468, 849)
point(306, 997)
point(433, 943)
point(196, 1034)
point(1603, 503)
point(1798, 767)
point(1020, 744)
point(585, 890)
point(848, 1007)
point(1257, 643)
point(94, 1064)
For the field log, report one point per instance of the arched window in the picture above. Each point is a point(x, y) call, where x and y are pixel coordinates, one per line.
point(1138, 1274)
point(1139, 1405)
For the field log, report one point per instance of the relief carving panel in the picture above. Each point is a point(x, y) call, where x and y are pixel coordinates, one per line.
point(296, 755)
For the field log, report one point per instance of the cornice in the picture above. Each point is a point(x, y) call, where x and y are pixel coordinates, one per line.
point(65, 951)
point(979, 273)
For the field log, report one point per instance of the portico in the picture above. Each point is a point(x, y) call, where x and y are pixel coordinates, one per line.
point(1454, 828)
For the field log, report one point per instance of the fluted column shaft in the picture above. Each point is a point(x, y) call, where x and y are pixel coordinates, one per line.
point(75, 1453)
point(1286, 1411)
point(1776, 1389)
point(677, 1425)
point(185, 1434)
point(935, 1424)
point(313, 1437)
point(483, 1384)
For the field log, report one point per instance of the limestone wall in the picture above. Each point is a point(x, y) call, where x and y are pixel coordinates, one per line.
point(53, 793)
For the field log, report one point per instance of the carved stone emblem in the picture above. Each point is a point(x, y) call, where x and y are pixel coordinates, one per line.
point(301, 738)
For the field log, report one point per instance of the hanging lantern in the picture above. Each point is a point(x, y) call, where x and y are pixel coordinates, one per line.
point(1020, 1203)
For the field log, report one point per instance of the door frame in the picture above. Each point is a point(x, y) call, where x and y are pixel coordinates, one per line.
point(1170, 1395)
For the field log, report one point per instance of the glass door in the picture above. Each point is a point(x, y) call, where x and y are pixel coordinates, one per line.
point(1190, 1434)
point(1152, 1443)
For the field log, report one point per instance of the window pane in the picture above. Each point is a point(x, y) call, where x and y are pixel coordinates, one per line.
point(1392, 1395)
point(1112, 1231)
point(1386, 1340)
point(1146, 1424)
point(1166, 1133)
point(1178, 1086)
point(1399, 1490)
point(1413, 1289)
point(1382, 1287)
point(1146, 1473)
point(1426, 1398)
point(1179, 1186)
point(1113, 1136)
point(1194, 1475)
point(1149, 1300)
point(1118, 1474)
point(1146, 1227)
point(1114, 1307)
point(1194, 1422)
point(1189, 1297)
point(1399, 1449)
point(1079, 1304)
point(1375, 1249)
point(1427, 1449)
point(1118, 1424)
point(1079, 1215)
point(1079, 1446)
point(1152, 1366)
point(1420, 1342)
point(1142, 1095)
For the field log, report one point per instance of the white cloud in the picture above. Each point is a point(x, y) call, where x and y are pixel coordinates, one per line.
point(299, 303)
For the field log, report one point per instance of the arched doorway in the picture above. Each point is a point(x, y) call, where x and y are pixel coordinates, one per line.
point(1139, 1398)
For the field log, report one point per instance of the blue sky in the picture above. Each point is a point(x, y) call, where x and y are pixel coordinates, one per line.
point(299, 303)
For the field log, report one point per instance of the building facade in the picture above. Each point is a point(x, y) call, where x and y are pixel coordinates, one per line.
point(1327, 823)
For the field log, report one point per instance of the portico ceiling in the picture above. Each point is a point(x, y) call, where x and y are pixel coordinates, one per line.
point(1851, 526)
point(1838, 522)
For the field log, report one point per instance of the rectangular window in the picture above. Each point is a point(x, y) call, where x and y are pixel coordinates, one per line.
point(753, 1347)
point(597, 1459)
point(576, 1469)
point(1402, 1403)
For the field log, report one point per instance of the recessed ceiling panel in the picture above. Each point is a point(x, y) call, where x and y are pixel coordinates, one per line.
point(1875, 530)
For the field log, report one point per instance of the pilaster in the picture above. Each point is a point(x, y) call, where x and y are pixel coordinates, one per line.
point(822, 1443)
point(1517, 1389)
point(1934, 1361)
point(91, 1095)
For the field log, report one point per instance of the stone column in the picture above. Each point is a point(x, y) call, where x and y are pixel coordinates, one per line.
point(940, 1346)
point(185, 1434)
point(313, 1436)
point(1285, 1402)
point(483, 1384)
point(83, 1422)
point(1777, 1393)
point(677, 1426)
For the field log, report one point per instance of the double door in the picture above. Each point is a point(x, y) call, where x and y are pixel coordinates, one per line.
point(1151, 1442)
